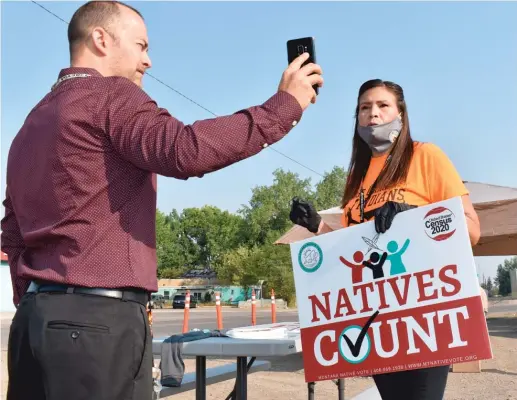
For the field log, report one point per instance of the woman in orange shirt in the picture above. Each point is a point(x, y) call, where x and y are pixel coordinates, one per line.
point(390, 173)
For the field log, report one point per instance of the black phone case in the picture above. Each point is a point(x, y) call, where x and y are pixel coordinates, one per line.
point(295, 47)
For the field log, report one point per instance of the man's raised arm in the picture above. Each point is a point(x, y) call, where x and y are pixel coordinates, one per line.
point(153, 140)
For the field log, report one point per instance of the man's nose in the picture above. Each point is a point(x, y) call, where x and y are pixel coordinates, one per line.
point(147, 61)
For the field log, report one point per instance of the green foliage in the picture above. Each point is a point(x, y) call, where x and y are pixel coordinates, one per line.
point(489, 285)
point(169, 251)
point(267, 214)
point(212, 230)
point(330, 190)
point(239, 247)
point(233, 265)
point(503, 276)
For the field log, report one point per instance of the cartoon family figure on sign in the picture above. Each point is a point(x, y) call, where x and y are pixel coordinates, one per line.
point(376, 260)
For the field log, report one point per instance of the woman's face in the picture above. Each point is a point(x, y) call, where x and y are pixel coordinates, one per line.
point(377, 106)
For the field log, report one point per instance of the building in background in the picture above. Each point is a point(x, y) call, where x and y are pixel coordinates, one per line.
point(202, 285)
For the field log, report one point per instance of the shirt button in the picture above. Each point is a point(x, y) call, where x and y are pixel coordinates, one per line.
point(265, 145)
point(74, 334)
point(294, 123)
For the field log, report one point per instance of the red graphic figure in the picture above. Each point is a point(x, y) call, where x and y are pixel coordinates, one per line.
point(357, 269)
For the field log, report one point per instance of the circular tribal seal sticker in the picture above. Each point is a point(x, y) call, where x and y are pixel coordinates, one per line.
point(310, 257)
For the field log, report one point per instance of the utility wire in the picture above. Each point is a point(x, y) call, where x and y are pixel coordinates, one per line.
point(188, 98)
point(50, 12)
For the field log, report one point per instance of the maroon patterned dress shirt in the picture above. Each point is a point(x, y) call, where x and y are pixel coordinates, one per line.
point(81, 177)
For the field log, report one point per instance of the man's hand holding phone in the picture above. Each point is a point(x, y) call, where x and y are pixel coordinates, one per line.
point(298, 80)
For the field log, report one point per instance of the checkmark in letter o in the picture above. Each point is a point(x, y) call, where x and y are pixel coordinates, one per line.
point(355, 343)
point(352, 351)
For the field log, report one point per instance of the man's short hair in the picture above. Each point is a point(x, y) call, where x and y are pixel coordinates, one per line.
point(90, 15)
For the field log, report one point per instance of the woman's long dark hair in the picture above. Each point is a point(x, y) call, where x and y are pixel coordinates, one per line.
point(401, 153)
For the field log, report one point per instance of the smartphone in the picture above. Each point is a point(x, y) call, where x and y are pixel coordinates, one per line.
point(296, 47)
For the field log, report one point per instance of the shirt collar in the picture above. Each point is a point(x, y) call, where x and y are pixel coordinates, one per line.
point(79, 70)
point(379, 160)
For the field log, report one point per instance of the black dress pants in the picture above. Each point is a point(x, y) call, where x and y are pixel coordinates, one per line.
point(81, 347)
point(416, 384)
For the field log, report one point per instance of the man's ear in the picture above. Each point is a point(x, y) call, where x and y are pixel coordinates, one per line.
point(101, 40)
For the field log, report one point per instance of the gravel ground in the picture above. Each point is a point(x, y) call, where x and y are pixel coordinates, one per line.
point(498, 379)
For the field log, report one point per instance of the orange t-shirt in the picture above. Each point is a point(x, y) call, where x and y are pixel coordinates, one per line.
point(431, 178)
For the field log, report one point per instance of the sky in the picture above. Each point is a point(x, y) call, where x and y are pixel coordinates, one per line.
point(455, 60)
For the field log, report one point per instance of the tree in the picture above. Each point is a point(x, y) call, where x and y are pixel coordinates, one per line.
point(173, 251)
point(232, 265)
point(489, 285)
point(240, 247)
point(503, 276)
point(213, 231)
point(266, 218)
point(197, 237)
point(503, 280)
point(511, 263)
point(267, 215)
point(329, 190)
point(245, 266)
point(164, 244)
point(280, 272)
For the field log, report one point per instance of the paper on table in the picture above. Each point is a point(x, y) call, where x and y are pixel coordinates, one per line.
point(271, 331)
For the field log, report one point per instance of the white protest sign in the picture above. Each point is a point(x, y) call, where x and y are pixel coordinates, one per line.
point(372, 303)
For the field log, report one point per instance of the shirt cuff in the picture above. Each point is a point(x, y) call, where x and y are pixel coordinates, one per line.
point(287, 108)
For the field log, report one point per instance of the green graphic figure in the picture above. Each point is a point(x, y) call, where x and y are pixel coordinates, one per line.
point(395, 258)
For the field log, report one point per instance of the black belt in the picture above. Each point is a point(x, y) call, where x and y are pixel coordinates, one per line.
point(135, 295)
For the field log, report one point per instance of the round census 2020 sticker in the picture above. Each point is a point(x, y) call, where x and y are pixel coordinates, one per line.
point(440, 223)
point(310, 257)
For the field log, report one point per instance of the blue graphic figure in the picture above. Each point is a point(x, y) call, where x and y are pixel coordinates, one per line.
point(395, 258)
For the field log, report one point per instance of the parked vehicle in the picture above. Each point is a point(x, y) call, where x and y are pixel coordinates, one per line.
point(157, 300)
point(179, 301)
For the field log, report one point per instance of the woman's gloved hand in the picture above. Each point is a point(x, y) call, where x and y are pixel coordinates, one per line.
point(304, 214)
point(385, 214)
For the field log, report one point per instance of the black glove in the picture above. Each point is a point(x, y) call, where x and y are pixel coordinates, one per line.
point(304, 214)
point(385, 214)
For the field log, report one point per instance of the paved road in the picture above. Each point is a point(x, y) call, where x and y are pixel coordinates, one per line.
point(167, 322)
point(501, 308)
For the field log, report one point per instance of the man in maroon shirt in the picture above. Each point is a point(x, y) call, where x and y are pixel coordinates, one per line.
point(79, 225)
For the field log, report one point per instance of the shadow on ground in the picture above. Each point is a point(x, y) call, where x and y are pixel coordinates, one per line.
point(498, 371)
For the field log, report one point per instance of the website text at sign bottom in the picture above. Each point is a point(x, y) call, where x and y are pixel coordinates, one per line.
point(397, 368)
point(395, 341)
